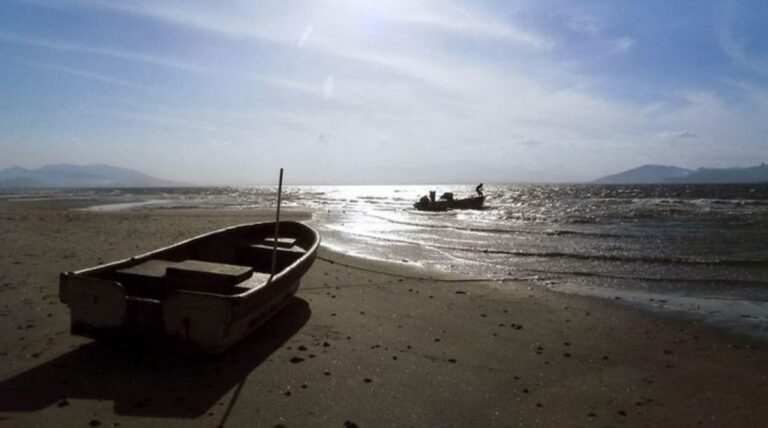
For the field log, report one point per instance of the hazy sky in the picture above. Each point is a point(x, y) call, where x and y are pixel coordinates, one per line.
point(383, 91)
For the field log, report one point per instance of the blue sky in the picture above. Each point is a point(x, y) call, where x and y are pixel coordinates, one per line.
point(365, 91)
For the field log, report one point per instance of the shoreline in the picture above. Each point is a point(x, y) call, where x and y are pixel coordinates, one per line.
point(365, 342)
point(734, 316)
point(666, 307)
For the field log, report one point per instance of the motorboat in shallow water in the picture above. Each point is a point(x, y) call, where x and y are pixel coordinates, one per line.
point(445, 204)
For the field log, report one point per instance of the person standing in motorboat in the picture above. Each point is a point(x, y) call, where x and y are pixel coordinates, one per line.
point(479, 189)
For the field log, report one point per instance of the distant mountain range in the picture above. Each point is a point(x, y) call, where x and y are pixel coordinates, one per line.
point(99, 175)
point(78, 176)
point(672, 174)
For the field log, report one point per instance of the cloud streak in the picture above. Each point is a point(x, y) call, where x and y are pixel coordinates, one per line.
point(247, 20)
point(61, 46)
point(736, 51)
point(86, 74)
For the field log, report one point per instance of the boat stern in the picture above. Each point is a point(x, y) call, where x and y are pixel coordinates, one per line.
point(96, 306)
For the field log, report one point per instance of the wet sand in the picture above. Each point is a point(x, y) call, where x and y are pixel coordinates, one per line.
point(363, 344)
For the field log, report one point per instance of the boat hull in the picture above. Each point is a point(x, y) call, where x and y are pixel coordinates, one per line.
point(475, 203)
point(106, 303)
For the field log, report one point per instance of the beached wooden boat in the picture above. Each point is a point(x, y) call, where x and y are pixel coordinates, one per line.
point(205, 293)
point(474, 203)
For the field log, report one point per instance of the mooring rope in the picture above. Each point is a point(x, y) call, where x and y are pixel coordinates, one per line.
point(423, 278)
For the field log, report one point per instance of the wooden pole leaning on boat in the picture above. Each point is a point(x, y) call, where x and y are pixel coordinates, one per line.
point(277, 226)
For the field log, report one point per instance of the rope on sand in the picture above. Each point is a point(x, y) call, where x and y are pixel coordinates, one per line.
point(422, 278)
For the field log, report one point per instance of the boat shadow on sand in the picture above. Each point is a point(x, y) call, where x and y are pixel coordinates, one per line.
point(148, 382)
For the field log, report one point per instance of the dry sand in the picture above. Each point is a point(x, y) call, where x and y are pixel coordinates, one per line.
point(356, 348)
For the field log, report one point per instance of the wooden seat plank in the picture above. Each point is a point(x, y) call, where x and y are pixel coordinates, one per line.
point(208, 271)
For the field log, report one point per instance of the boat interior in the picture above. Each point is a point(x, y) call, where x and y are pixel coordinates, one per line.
point(228, 264)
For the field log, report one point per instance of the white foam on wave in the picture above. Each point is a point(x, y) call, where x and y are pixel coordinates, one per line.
point(124, 206)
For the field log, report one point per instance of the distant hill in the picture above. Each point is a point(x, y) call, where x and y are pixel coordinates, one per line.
point(671, 174)
point(645, 174)
point(753, 174)
point(96, 175)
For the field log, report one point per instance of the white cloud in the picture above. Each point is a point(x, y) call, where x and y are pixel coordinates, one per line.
point(248, 20)
point(367, 72)
point(328, 86)
point(736, 51)
point(452, 17)
point(530, 143)
point(292, 85)
point(179, 122)
point(622, 44)
point(590, 25)
point(584, 23)
point(305, 35)
point(677, 135)
point(414, 92)
point(321, 140)
point(735, 47)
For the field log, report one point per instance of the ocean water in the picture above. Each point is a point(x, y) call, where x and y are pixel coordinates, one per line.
point(696, 249)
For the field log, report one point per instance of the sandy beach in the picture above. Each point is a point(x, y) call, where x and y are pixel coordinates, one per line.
point(363, 343)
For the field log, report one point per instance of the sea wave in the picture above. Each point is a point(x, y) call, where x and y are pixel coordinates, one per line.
point(678, 260)
point(500, 231)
